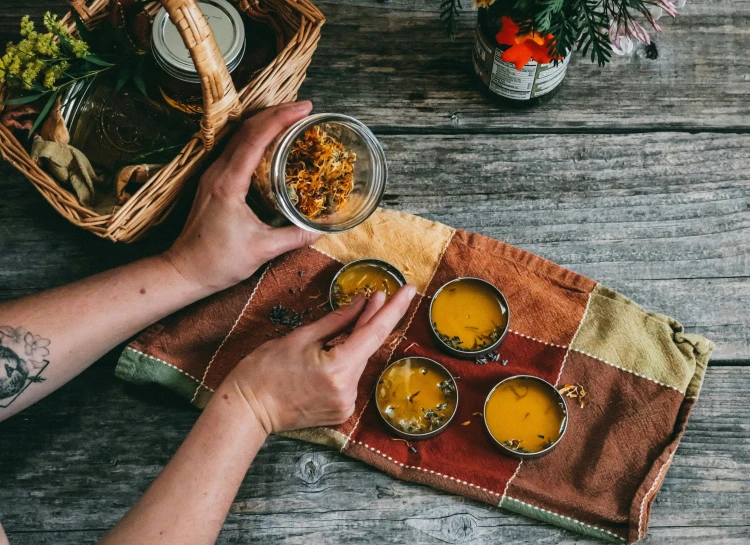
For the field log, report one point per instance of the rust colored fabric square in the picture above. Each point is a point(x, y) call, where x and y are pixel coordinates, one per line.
point(641, 371)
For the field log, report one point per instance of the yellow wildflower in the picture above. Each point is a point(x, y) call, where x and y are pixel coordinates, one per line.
point(80, 48)
point(27, 26)
point(31, 72)
point(14, 68)
point(483, 3)
point(45, 45)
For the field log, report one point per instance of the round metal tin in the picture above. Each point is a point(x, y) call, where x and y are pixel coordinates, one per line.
point(471, 354)
point(169, 48)
point(416, 436)
point(369, 261)
point(527, 455)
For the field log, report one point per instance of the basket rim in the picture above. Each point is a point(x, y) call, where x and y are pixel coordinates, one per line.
point(173, 174)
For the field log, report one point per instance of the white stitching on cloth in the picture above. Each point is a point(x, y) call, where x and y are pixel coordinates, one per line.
point(430, 471)
point(237, 321)
point(472, 485)
point(507, 485)
point(326, 254)
point(659, 477)
point(620, 538)
point(535, 339)
point(401, 337)
point(165, 363)
point(572, 340)
point(628, 370)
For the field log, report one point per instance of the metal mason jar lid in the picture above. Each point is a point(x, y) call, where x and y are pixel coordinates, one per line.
point(173, 57)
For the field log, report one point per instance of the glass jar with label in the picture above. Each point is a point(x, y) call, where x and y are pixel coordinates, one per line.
point(535, 83)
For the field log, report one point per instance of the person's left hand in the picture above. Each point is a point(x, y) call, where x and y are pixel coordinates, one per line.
point(223, 241)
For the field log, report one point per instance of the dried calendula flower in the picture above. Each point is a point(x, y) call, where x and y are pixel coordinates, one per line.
point(319, 173)
point(574, 391)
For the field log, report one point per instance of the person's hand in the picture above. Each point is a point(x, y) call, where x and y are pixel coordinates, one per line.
point(294, 382)
point(223, 241)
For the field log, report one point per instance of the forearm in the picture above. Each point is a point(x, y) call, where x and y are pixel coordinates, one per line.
point(190, 499)
point(82, 321)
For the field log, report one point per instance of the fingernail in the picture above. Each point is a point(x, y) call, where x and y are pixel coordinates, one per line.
point(302, 105)
point(411, 291)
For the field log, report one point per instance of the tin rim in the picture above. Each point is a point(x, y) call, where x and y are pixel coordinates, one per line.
point(527, 455)
point(185, 70)
point(471, 354)
point(416, 436)
point(390, 267)
point(278, 172)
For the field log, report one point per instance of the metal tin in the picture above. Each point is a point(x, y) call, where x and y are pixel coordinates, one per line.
point(471, 354)
point(416, 436)
point(515, 453)
point(370, 261)
point(169, 48)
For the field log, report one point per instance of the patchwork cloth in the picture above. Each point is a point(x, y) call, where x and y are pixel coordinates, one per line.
point(642, 373)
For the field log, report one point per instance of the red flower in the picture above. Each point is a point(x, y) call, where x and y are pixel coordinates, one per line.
point(524, 48)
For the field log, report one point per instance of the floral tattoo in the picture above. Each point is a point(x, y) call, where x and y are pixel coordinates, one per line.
point(22, 359)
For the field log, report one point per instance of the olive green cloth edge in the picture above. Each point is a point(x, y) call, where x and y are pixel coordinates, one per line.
point(620, 332)
point(522, 508)
point(139, 368)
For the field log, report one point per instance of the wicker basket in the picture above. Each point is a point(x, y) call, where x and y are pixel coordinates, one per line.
point(222, 104)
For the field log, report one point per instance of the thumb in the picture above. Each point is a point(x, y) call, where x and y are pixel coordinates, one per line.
point(284, 239)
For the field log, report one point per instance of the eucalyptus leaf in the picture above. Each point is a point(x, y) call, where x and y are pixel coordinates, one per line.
point(122, 76)
point(140, 83)
point(45, 111)
point(94, 59)
point(22, 100)
point(83, 32)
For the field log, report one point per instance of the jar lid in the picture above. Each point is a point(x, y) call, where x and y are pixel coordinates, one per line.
point(173, 57)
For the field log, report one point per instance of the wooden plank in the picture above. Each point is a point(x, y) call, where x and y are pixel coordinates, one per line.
point(80, 458)
point(397, 69)
point(662, 217)
point(393, 67)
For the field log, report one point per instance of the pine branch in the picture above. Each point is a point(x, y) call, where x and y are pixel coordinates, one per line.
point(449, 13)
point(593, 31)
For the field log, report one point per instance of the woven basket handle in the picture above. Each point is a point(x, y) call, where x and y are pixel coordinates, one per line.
point(220, 101)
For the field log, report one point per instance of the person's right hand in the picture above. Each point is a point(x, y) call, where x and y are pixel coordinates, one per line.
point(294, 382)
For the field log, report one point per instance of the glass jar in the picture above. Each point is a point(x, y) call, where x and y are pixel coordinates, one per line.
point(272, 201)
point(118, 128)
point(178, 79)
point(536, 83)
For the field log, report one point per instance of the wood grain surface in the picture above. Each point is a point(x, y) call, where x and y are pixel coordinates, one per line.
point(636, 175)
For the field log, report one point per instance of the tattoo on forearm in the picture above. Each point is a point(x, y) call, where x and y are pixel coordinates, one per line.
point(22, 360)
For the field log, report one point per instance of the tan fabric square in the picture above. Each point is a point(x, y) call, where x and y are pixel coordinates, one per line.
point(645, 343)
point(410, 243)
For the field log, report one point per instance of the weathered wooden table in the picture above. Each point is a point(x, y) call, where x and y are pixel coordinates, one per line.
point(636, 175)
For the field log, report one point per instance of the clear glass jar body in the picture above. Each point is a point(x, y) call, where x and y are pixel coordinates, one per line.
point(534, 84)
point(117, 128)
point(270, 198)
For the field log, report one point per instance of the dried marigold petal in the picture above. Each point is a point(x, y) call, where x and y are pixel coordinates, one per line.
point(319, 173)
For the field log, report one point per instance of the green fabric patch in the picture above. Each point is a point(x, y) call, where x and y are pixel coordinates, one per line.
point(652, 345)
point(138, 368)
point(549, 517)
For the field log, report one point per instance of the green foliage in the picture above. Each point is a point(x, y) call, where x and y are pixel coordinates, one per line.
point(449, 12)
point(581, 25)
